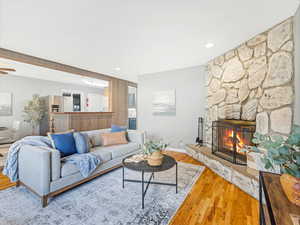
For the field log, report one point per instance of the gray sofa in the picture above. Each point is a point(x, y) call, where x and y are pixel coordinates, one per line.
point(42, 171)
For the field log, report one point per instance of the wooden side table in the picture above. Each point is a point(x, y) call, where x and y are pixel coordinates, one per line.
point(277, 210)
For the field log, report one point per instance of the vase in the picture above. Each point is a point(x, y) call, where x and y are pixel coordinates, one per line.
point(291, 188)
point(155, 159)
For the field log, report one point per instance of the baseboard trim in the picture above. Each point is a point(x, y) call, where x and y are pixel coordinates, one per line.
point(176, 150)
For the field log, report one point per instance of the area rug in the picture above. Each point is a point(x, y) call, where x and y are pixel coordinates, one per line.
point(102, 201)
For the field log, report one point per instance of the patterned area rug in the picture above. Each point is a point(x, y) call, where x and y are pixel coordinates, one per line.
point(102, 201)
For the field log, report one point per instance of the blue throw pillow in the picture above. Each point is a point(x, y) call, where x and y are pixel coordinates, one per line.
point(116, 128)
point(82, 143)
point(64, 143)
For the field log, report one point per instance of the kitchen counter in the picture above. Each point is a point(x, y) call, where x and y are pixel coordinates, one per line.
point(82, 113)
point(79, 121)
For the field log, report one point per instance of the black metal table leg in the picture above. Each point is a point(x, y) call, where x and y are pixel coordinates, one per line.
point(123, 174)
point(143, 167)
point(143, 193)
point(176, 177)
point(261, 210)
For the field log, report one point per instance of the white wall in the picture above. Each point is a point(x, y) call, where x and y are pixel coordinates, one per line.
point(190, 103)
point(23, 88)
point(297, 66)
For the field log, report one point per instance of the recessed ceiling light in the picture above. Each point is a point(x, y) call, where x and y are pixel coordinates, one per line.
point(209, 45)
point(117, 69)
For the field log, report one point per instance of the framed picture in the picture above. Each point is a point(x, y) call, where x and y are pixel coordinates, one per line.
point(5, 104)
point(164, 103)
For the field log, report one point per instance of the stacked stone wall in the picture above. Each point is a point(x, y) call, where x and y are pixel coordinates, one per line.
point(255, 81)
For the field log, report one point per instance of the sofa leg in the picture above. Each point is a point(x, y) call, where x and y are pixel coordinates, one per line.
point(18, 183)
point(44, 201)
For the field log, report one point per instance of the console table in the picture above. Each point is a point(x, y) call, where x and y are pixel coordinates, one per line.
point(277, 210)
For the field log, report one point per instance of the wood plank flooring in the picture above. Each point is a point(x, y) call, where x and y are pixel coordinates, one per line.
point(212, 200)
point(4, 182)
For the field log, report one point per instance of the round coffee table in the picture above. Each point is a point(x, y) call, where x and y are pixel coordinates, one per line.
point(143, 167)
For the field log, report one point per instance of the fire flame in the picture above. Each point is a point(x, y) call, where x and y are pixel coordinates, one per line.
point(229, 140)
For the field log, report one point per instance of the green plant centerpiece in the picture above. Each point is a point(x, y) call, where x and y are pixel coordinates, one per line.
point(153, 150)
point(34, 112)
point(285, 153)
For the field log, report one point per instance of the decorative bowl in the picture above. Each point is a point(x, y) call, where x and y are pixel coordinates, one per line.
point(155, 159)
point(291, 188)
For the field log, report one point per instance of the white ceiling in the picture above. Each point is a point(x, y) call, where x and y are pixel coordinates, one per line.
point(138, 36)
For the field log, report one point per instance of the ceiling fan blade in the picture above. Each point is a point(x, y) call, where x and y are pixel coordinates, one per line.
point(8, 69)
point(2, 72)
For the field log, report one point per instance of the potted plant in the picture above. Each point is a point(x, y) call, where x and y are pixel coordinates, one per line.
point(34, 112)
point(285, 153)
point(153, 149)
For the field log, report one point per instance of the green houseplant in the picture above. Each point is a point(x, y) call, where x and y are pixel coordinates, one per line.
point(285, 153)
point(152, 149)
point(34, 112)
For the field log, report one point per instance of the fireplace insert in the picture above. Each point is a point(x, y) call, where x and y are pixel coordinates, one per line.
point(229, 137)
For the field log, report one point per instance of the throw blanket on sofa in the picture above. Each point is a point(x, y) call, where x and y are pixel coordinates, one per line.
point(11, 165)
point(86, 163)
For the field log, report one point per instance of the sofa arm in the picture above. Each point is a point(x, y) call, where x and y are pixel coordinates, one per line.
point(136, 136)
point(34, 168)
point(55, 164)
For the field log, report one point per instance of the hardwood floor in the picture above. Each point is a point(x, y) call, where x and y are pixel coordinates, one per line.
point(4, 182)
point(212, 200)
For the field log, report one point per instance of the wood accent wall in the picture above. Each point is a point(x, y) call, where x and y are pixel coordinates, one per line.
point(118, 90)
point(119, 102)
point(81, 121)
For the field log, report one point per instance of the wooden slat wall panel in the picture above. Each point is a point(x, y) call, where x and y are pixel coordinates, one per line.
point(82, 122)
point(119, 101)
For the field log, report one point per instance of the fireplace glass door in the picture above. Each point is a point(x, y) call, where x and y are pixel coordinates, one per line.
point(230, 137)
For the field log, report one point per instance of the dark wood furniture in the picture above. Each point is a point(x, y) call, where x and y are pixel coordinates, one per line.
point(143, 167)
point(277, 210)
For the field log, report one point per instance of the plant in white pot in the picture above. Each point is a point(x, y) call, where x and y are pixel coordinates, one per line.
point(34, 112)
point(285, 153)
point(153, 149)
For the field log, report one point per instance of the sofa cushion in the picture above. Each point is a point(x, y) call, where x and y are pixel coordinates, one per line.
point(119, 150)
point(63, 142)
point(69, 168)
point(82, 142)
point(95, 136)
point(117, 138)
point(116, 128)
point(104, 154)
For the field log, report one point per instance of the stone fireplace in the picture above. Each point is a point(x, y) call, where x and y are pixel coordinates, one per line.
point(253, 86)
point(229, 137)
point(254, 82)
